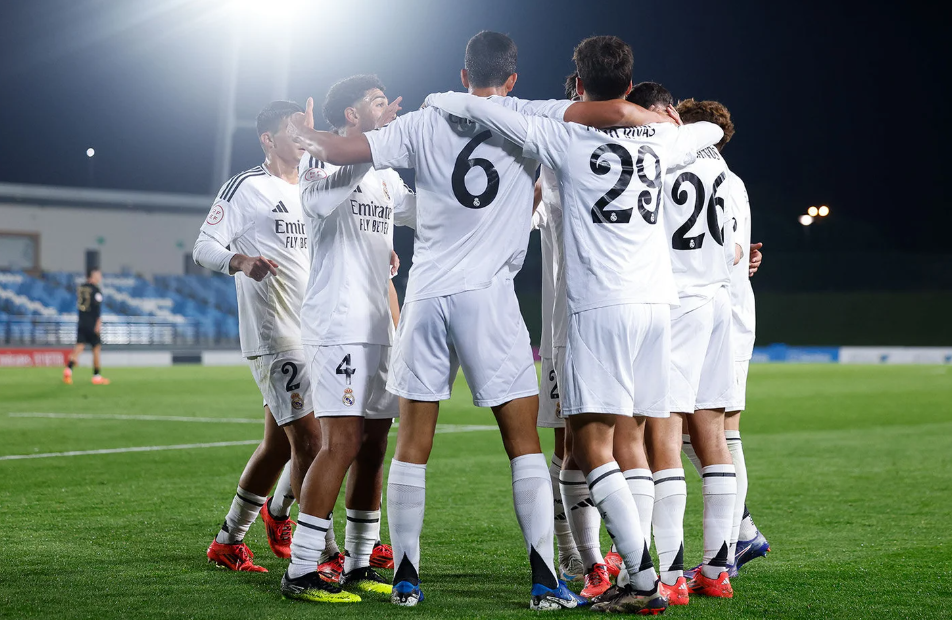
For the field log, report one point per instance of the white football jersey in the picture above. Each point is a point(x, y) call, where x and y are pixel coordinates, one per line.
point(697, 222)
point(742, 295)
point(611, 183)
point(259, 214)
point(350, 212)
point(554, 315)
point(474, 196)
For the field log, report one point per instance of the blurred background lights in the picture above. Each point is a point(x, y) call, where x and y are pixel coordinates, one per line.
point(812, 211)
point(824, 211)
point(806, 220)
point(90, 152)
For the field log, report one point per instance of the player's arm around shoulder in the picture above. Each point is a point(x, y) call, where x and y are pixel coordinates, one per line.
point(612, 113)
point(325, 145)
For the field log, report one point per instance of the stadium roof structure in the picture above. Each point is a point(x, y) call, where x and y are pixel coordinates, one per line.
point(84, 197)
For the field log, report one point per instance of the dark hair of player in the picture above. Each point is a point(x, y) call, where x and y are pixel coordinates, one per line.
point(91, 271)
point(647, 94)
point(345, 94)
point(570, 93)
point(490, 59)
point(269, 118)
point(692, 111)
point(604, 65)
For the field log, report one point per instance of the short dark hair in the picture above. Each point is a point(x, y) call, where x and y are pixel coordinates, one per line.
point(692, 111)
point(570, 93)
point(646, 94)
point(91, 271)
point(604, 65)
point(345, 94)
point(490, 59)
point(269, 118)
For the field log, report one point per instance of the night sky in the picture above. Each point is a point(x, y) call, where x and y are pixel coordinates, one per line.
point(831, 105)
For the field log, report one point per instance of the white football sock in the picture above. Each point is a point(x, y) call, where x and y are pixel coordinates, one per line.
point(330, 541)
point(563, 532)
point(688, 450)
point(283, 497)
point(531, 497)
point(307, 545)
point(736, 447)
point(360, 536)
point(641, 485)
point(406, 498)
point(748, 531)
point(613, 498)
point(719, 484)
point(671, 494)
point(244, 509)
point(582, 516)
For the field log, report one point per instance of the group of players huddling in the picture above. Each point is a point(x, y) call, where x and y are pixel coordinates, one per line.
point(648, 326)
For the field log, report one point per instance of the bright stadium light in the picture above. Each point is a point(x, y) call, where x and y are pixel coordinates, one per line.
point(806, 220)
point(90, 152)
point(812, 211)
point(824, 211)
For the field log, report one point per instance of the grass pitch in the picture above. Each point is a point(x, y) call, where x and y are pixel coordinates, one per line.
point(850, 469)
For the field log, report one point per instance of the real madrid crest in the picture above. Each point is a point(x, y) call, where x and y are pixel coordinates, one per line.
point(386, 191)
point(348, 398)
point(297, 402)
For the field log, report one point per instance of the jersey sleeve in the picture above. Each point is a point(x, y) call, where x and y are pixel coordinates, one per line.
point(226, 220)
point(392, 146)
point(324, 188)
point(404, 204)
point(547, 108)
point(689, 139)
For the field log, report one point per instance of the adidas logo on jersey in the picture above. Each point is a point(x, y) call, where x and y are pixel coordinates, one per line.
point(279, 208)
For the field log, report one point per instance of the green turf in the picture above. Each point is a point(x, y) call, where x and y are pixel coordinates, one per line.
point(850, 467)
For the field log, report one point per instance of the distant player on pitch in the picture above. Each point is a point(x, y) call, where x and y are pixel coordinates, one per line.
point(89, 326)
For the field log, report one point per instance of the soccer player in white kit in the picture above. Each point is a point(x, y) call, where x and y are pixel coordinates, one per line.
point(255, 232)
point(619, 283)
point(347, 329)
point(460, 309)
point(749, 543)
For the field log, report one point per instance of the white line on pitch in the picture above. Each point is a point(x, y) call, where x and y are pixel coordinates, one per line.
point(148, 418)
point(441, 428)
point(189, 446)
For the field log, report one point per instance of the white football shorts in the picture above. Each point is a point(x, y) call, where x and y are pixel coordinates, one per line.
point(351, 380)
point(617, 361)
point(550, 409)
point(739, 397)
point(702, 357)
point(284, 383)
point(481, 331)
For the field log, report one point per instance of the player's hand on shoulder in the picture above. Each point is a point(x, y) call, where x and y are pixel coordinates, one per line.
point(258, 267)
point(756, 257)
point(673, 116)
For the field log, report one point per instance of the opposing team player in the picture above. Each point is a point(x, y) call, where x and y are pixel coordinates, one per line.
point(619, 283)
point(348, 325)
point(255, 232)
point(89, 326)
point(471, 235)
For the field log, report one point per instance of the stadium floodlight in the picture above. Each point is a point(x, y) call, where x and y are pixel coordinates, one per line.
point(90, 152)
point(806, 220)
point(812, 211)
point(824, 211)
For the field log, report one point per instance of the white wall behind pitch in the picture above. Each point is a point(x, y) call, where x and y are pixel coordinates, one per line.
point(145, 243)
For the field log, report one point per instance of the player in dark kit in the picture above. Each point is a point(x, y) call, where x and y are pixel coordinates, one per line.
point(89, 327)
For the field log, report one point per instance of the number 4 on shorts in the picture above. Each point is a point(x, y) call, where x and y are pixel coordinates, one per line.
point(344, 368)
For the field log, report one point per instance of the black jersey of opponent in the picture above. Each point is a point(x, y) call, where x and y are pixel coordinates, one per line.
point(88, 302)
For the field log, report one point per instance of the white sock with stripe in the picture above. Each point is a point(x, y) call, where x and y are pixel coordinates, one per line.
point(307, 545)
point(719, 484)
point(360, 536)
point(406, 499)
point(671, 494)
point(244, 509)
point(582, 516)
point(283, 497)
